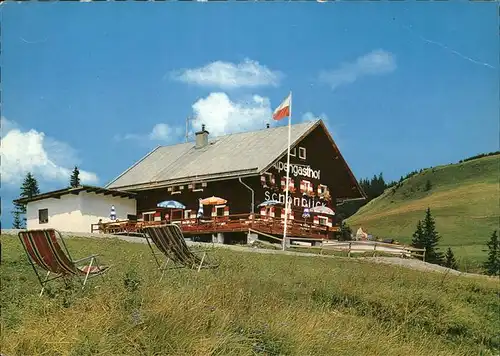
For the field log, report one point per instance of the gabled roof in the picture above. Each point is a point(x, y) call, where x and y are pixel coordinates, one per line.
point(230, 156)
point(235, 155)
point(56, 194)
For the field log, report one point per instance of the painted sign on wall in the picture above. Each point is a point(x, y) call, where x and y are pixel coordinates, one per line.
point(298, 170)
point(297, 201)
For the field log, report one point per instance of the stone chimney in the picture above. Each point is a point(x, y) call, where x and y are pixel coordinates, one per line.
point(201, 137)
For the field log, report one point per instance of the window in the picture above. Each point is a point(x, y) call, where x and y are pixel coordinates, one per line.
point(43, 216)
point(198, 187)
point(176, 190)
point(293, 151)
point(219, 210)
point(305, 186)
point(302, 153)
point(323, 220)
point(322, 189)
point(187, 214)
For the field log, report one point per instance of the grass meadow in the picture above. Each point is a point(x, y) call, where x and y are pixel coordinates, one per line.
point(463, 200)
point(253, 304)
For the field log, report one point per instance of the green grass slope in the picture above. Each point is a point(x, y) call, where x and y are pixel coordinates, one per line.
point(253, 304)
point(464, 200)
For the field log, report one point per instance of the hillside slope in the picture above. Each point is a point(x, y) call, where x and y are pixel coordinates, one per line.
point(464, 199)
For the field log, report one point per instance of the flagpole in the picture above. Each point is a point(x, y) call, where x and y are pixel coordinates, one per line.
point(287, 205)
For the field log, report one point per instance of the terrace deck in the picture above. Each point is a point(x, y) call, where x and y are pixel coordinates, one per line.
point(227, 224)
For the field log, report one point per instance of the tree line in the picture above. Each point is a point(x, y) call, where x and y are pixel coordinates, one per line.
point(375, 186)
point(29, 188)
point(479, 156)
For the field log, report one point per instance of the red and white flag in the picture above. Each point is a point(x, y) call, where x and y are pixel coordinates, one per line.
point(283, 110)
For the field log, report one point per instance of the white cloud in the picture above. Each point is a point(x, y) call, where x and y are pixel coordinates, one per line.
point(7, 125)
point(221, 115)
point(227, 75)
point(32, 151)
point(376, 62)
point(160, 132)
point(309, 116)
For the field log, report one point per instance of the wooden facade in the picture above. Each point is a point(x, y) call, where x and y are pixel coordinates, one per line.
point(318, 176)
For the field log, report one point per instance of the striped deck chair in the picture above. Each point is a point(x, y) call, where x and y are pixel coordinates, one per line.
point(170, 241)
point(47, 249)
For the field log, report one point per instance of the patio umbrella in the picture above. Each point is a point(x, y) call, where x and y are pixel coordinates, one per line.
point(213, 201)
point(112, 214)
point(322, 210)
point(171, 204)
point(200, 211)
point(270, 203)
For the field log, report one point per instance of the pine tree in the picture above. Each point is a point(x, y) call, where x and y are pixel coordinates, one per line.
point(449, 259)
point(29, 188)
point(431, 239)
point(345, 232)
point(418, 237)
point(492, 264)
point(74, 180)
point(428, 185)
point(17, 223)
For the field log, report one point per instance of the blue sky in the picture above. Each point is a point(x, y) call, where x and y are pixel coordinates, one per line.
point(401, 85)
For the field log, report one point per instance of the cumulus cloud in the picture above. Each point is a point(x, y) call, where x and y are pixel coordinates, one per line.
point(227, 75)
point(163, 133)
point(377, 62)
point(31, 151)
point(221, 115)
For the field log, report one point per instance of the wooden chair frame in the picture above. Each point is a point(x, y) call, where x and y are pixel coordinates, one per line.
point(42, 248)
point(169, 239)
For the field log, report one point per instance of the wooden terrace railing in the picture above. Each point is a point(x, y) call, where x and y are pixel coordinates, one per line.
point(373, 247)
point(268, 226)
point(231, 223)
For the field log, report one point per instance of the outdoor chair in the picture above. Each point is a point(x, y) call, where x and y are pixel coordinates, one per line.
point(169, 239)
point(47, 249)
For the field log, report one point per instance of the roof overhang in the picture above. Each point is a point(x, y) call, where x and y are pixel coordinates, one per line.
point(57, 194)
point(355, 183)
point(187, 180)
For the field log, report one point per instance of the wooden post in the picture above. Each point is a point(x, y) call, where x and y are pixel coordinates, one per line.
point(423, 258)
point(374, 249)
point(349, 252)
